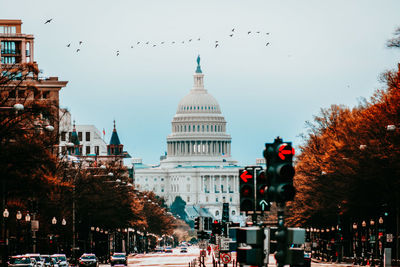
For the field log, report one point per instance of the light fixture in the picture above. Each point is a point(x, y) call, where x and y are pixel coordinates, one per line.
point(18, 107)
point(27, 217)
point(64, 222)
point(6, 213)
point(19, 215)
point(54, 220)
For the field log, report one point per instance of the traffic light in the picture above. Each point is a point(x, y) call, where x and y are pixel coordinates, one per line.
point(280, 171)
point(262, 184)
point(225, 213)
point(246, 187)
point(197, 223)
point(216, 228)
point(250, 246)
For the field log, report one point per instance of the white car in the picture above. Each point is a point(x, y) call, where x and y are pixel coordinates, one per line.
point(37, 258)
point(60, 259)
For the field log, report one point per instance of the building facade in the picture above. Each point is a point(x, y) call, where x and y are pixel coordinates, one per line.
point(24, 86)
point(198, 165)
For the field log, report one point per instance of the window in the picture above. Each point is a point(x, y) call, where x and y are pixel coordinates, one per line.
point(155, 179)
point(202, 128)
point(198, 128)
point(63, 136)
point(188, 187)
point(162, 189)
point(162, 179)
point(206, 199)
point(87, 150)
point(233, 212)
point(188, 199)
point(80, 136)
point(216, 199)
point(87, 136)
point(96, 150)
point(21, 93)
point(12, 94)
point(216, 213)
point(46, 95)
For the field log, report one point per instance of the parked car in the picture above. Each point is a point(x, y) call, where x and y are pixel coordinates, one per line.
point(47, 261)
point(22, 261)
point(88, 260)
point(36, 256)
point(118, 259)
point(158, 249)
point(60, 260)
point(184, 250)
point(168, 250)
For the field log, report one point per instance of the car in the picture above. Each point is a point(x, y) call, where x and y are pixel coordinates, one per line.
point(184, 250)
point(37, 257)
point(22, 261)
point(158, 249)
point(88, 260)
point(168, 250)
point(60, 260)
point(47, 261)
point(118, 259)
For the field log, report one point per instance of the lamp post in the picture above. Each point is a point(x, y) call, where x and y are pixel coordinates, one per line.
point(53, 236)
point(355, 245)
point(27, 220)
point(6, 213)
point(18, 217)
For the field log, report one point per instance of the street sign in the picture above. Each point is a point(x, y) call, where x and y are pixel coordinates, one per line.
point(226, 258)
point(225, 244)
point(389, 237)
point(34, 225)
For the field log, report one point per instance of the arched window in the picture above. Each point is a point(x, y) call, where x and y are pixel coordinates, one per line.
point(212, 128)
point(207, 128)
point(233, 212)
point(185, 128)
point(202, 128)
point(198, 128)
point(217, 213)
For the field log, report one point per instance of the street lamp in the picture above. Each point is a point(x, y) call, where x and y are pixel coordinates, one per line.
point(63, 222)
point(5, 237)
point(27, 217)
point(54, 221)
point(19, 217)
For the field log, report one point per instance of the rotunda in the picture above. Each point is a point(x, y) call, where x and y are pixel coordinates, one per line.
point(198, 129)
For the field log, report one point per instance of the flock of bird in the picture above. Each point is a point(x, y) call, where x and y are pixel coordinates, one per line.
point(216, 44)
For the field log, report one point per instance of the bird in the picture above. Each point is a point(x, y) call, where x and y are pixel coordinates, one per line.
point(198, 39)
point(173, 42)
point(80, 42)
point(48, 21)
point(267, 33)
point(231, 35)
point(68, 45)
point(131, 46)
point(162, 42)
point(138, 43)
point(267, 44)
point(77, 50)
point(154, 45)
point(147, 42)
point(216, 41)
point(190, 40)
point(248, 32)
point(183, 42)
point(258, 32)
point(216, 45)
point(233, 29)
point(117, 54)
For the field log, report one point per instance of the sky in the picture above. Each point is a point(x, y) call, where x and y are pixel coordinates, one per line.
point(307, 55)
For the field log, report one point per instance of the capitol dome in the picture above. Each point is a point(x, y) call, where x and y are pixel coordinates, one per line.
point(198, 128)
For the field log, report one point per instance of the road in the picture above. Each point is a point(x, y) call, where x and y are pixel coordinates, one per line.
point(177, 259)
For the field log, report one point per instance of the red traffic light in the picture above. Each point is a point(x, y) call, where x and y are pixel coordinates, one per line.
point(215, 222)
point(285, 150)
point(246, 191)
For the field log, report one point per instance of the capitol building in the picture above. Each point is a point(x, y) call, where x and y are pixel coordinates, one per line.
point(198, 165)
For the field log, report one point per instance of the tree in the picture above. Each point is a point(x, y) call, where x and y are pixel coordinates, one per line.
point(395, 41)
point(178, 208)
